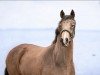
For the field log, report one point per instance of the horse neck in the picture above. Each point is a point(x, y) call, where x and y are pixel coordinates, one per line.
point(62, 54)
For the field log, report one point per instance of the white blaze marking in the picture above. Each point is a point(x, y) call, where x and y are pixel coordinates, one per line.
point(64, 39)
point(65, 35)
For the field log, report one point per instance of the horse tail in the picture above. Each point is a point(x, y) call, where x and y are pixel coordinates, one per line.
point(6, 72)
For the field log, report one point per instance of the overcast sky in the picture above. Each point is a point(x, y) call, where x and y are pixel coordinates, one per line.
point(45, 14)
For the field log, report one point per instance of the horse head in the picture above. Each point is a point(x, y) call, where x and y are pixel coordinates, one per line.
point(66, 27)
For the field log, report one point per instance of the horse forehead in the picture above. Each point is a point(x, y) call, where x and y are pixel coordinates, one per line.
point(66, 23)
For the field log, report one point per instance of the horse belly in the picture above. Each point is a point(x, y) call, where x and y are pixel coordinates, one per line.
point(54, 71)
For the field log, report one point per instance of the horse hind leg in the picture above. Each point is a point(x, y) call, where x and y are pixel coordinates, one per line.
point(6, 72)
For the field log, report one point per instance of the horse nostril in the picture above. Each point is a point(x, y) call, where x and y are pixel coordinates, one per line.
point(66, 40)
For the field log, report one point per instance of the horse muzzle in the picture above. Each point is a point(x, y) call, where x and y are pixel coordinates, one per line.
point(65, 41)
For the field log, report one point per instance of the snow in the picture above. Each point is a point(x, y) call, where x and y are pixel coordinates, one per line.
point(86, 47)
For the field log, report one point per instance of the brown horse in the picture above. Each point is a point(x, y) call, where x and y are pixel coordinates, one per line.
point(56, 59)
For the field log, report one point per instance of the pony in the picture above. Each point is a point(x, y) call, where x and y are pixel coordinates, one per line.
point(56, 59)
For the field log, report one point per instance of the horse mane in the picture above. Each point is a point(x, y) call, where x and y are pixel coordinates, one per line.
point(56, 35)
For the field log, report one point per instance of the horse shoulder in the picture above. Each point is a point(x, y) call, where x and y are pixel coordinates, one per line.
point(31, 60)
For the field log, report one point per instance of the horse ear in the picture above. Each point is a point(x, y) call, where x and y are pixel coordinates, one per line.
point(62, 14)
point(72, 13)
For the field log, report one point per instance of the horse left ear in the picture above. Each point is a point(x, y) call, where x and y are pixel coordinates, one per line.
point(62, 14)
point(72, 13)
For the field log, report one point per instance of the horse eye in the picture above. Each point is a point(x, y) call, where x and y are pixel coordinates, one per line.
point(73, 26)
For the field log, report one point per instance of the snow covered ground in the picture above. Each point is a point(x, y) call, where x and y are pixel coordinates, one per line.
point(86, 47)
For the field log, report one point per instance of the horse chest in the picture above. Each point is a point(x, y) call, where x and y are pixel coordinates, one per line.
point(54, 71)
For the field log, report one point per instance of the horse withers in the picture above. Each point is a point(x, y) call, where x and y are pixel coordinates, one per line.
point(56, 59)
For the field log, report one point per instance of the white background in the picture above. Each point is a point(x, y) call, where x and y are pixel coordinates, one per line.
point(45, 14)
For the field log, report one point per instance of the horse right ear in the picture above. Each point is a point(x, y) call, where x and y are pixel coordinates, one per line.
point(62, 14)
point(72, 13)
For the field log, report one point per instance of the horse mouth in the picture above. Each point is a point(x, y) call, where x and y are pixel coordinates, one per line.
point(66, 45)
